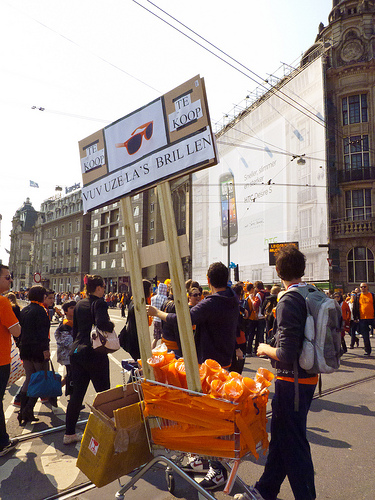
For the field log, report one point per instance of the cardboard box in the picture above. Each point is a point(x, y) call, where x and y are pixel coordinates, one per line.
point(114, 442)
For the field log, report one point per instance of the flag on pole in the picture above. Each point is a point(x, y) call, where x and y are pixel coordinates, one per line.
point(34, 184)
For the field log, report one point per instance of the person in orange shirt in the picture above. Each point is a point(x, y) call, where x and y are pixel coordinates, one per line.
point(9, 326)
point(363, 311)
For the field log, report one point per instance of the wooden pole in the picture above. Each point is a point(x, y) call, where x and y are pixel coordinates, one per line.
point(179, 290)
point(135, 269)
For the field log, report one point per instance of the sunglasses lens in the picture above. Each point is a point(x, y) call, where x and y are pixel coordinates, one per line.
point(148, 131)
point(134, 143)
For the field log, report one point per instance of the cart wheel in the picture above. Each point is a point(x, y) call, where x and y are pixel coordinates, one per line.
point(170, 481)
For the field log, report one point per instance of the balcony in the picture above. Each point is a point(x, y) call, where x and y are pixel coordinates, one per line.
point(65, 269)
point(58, 270)
point(357, 174)
point(51, 271)
point(73, 269)
point(354, 228)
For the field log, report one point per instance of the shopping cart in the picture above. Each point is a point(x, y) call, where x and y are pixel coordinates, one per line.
point(180, 423)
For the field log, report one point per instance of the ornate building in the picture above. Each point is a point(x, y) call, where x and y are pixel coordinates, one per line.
point(350, 102)
point(22, 245)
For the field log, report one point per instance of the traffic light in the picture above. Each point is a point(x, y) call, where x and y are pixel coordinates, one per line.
point(237, 273)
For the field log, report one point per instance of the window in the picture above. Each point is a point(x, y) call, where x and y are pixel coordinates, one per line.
point(152, 224)
point(136, 227)
point(78, 225)
point(356, 155)
point(305, 217)
point(151, 241)
point(113, 263)
point(360, 265)
point(94, 266)
point(95, 237)
point(103, 264)
point(95, 251)
point(136, 211)
point(358, 204)
point(96, 223)
point(354, 109)
point(70, 227)
point(152, 207)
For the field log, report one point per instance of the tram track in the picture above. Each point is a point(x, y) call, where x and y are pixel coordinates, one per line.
point(74, 491)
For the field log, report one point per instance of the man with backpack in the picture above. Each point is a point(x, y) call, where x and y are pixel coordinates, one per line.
point(289, 451)
point(363, 311)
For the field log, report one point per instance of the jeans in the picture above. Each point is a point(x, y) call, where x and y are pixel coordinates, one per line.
point(85, 365)
point(364, 329)
point(4, 376)
point(289, 451)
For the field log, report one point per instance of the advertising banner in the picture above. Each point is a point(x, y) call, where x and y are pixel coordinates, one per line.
point(270, 185)
point(167, 137)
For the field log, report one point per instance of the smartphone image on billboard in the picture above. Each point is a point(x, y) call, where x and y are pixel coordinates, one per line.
point(228, 226)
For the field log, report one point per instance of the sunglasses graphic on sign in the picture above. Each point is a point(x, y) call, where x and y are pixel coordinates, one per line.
point(134, 143)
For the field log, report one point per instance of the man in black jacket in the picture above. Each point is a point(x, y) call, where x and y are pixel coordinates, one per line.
point(289, 451)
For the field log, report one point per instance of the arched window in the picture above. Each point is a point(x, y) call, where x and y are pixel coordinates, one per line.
point(361, 265)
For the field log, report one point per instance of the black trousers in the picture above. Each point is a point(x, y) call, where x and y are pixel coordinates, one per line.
point(289, 451)
point(86, 365)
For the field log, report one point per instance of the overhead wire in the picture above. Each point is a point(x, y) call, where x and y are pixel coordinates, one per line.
point(272, 89)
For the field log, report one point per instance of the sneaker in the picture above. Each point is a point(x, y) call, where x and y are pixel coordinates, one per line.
point(16, 403)
point(252, 495)
point(214, 479)
point(72, 438)
point(196, 465)
point(44, 400)
point(9, 447)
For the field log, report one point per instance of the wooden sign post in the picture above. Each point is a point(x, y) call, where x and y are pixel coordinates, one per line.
point(179, 291)
point(135, 269)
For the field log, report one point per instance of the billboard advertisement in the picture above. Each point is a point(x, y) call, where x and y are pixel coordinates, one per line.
point(270, 184)
point(163, 139)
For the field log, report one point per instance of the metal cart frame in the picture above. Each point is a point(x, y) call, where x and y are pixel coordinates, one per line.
point(160, 456)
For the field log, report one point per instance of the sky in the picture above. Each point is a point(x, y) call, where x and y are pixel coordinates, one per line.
point(68, 69)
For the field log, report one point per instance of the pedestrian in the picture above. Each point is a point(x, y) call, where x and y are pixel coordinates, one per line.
point(34, 347)
point(87, 364)
point(64, 341)
point(363, 312)
point(129, 334)
point(252, 326)
point(258, 301)
point(289, 450)
point(9, 326)
point(158, 301)
point(268, 308)
point(353, 324)
point(216, 319)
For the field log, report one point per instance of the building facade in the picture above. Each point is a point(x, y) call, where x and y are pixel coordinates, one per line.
point(22, 245)
point(62, 243)
point(350, 101)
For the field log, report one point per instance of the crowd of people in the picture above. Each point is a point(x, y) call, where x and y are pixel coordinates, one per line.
point(229, 323)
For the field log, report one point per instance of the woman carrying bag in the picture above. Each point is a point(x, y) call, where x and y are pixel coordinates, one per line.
point(34, 347)
point(87, 364)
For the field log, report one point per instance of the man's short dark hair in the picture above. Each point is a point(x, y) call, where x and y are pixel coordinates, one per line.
point(2, 266)
point(50, 292)
point(290, 263)
point(37, 293)
point(238, 289)
point(259, 285)
point(146, 287)
point(218, 275)
point(249, 287)
point(67, 304)
point(92, 281)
